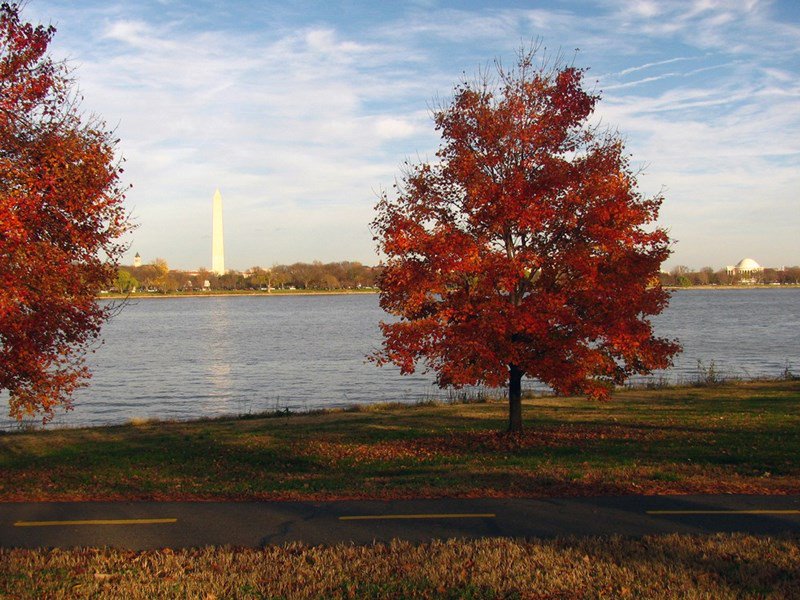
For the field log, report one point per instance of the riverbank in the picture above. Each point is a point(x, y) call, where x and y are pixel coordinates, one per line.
point(732, 438)
point(224, 293)
point(734, 287)
point(367, 291)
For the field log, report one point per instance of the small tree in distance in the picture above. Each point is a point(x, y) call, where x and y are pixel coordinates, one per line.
point(526, 249)
point(61, 216)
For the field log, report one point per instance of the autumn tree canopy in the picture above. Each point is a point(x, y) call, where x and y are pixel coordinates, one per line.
point(61, 216)
point(525, 249)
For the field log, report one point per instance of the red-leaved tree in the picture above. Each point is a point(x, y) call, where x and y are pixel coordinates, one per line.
point(525, 249)
point(61, 217)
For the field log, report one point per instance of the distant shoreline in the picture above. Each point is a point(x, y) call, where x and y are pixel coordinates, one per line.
point(218, 294)
point(733, 287)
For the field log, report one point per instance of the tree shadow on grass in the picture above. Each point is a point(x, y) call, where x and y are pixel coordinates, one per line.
point(154, 466)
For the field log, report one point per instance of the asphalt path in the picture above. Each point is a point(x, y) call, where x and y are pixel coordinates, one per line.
point(143, 525)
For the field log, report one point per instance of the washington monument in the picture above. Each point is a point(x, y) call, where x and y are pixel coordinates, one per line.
point(217, 246)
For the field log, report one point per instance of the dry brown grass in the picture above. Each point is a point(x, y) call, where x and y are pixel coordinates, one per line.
point(669, 566)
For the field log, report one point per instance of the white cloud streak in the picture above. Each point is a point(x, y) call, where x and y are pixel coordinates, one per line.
point(650, 65)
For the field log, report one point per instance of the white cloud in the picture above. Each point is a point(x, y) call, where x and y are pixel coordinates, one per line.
point(650, 65)
point(390, 128)
point(133, 33)
point(629, 84)
point(644, 8)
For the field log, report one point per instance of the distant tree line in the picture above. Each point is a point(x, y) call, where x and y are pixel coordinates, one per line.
point(682, 276)
point(158, 277)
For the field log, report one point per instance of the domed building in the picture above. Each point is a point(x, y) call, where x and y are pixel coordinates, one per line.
point(747, 270)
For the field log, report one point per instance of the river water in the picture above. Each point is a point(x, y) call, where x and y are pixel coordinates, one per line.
point(183, 358)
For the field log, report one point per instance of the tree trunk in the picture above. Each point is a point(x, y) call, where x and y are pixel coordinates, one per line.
point(514, 399)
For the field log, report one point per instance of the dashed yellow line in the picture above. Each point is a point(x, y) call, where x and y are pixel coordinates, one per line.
point(419, 516)
point(95, 522)
point(723, 512)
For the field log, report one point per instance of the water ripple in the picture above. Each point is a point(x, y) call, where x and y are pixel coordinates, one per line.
point(182, 358)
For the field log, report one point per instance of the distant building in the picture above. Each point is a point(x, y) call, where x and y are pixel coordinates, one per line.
point(137, 260)
point(746, 269)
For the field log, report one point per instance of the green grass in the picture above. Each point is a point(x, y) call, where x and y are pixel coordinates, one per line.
point(723, 566)
point(733, 438)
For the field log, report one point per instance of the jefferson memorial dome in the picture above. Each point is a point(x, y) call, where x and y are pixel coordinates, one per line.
point(746, 267)
point(748, 264)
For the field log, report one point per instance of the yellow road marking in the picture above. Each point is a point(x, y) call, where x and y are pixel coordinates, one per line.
point(94, 522)
point(421, 516)
point(723, 512)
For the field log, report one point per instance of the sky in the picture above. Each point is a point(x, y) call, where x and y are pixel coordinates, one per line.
point(302, 112)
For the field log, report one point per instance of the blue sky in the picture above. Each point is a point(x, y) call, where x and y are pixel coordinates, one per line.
point(300, 112)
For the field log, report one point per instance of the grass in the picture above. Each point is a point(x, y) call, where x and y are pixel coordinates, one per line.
point(741, 437)
point(667, 566)
point(729, 438)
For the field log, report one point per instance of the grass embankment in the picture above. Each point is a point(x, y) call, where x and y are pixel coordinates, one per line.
point(735, 438)
point(669, 566)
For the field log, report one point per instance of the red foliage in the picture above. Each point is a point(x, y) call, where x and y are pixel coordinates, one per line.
point(526, 248)
point(61, 215)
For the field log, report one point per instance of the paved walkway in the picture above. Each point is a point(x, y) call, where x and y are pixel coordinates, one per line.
point(140, 525)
